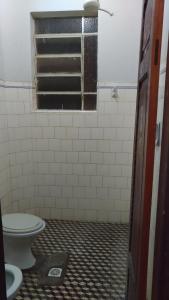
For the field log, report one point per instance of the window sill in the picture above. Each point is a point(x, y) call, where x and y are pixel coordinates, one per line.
point(62, 111)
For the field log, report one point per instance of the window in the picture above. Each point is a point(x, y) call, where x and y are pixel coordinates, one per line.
point(66, 63)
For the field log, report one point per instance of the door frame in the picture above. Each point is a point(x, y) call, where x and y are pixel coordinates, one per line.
point(2, 264)
point(160, 283)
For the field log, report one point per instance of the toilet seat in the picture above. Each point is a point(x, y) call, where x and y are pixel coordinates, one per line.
point(21, 223)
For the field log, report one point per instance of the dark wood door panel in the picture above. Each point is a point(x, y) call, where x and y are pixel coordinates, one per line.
point(139, 171)
point(160, 289)
point(144, 146)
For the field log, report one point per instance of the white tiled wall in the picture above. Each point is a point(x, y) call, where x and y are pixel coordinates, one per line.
point(4, 162)
point(72, 165)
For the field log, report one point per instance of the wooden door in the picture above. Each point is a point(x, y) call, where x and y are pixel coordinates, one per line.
point(160, 289)
point(2, 268)
point(144, 147)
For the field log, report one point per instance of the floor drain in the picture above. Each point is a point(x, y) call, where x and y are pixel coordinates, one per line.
point(55, 272)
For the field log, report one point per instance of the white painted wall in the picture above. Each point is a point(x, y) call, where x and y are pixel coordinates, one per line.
point(165, 34)
point(1, 54)
point(119, 37)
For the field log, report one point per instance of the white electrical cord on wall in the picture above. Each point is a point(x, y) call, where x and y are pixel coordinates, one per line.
point(94, 6)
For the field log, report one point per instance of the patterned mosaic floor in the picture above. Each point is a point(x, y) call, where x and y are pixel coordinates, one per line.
point(97, 263)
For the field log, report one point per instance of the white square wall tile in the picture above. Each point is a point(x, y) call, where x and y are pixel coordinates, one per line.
point(91, 215)
point(128, 95)
point(104, 120)
point(55, 191)
point(84, 157)
point(121, 182)
point(42, 119)
point(126, 108)
point(43, 168)
point(78, 145)
point(66, 120)
point(72, 157)
point(96, 158)
point(114, 217)
point(48, 132)
point(60, 132)
point(122, 159)
point(116, 146)
point(125, 194)
point(71, 133)
point(66, 145)
point(91, 145)
point(109, 182)
point(41, 144)
point(91, 192)
point(97, 133)
point(60, 157)
point(54, 144)
point(127, 146)
point(79, 120)
point(89, 169)
point(36, 132)
point(56, 214)
point(79, 169)
point(79, 192)
point(96, 181)
point(114, 194)
point(90, 119)
point(109, 133)
point(68, 214)
point(111, 106)
point(102, 216)
point(84, 180)
point(67, 192)
point(66, 169)
point(124, 217)
point(122, 205)
point(127, 171)
point(47, 156)
point(84, 133)
point(72, 180)
point(108, 158)
point(54, 119)
point(104, 95)
point(103, 146)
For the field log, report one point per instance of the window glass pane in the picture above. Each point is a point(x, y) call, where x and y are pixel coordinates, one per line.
point(90, 24)
point(90, 63)
point(53, 65)
point(58, 25)
point(69, 102)
point(59, 84)
point(58, 46)
point(90, 102)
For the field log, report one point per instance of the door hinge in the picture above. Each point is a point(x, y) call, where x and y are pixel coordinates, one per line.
point(156, 54)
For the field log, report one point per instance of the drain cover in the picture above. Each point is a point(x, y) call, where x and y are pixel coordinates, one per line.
point(55, 272)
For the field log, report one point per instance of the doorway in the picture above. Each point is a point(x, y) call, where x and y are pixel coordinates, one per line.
point(148, 43)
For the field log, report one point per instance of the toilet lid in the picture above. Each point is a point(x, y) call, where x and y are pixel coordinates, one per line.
point(21, 223)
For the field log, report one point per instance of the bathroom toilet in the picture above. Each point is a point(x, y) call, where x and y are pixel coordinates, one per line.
point(19, 231)
point(14, 280)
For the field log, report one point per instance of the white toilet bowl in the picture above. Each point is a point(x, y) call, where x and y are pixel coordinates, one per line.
point(19, 231)
point(13, 281)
